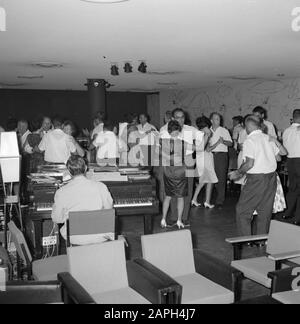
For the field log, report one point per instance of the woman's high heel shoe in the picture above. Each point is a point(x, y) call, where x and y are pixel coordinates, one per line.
point(195, 204)
point(163, 223)
point(209, 206)
point(180, 225)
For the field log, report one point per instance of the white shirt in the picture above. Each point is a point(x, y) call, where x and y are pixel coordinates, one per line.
point(189, 134)
point(271, 128)
point(147, 139)
point(258, 147)
point(291, 141)
point(216, 134)
point(98, 129)
point(242, 136)
point(24, 138)
point(57, 146)
point(107, 145)
point(80, 194)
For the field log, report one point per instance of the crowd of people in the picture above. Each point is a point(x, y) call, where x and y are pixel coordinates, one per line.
point(183, 153)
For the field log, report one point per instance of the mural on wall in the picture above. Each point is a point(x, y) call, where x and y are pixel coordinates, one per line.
point(279, 97)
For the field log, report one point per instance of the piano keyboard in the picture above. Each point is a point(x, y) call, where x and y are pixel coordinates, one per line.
point(127, 203)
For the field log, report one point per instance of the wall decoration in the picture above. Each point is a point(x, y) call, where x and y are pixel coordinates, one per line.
point(279, 97)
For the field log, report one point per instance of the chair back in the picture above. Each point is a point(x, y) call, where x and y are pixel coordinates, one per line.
point(283, 238)
point(171, 252)
point(96, 226)
point(99, 268)
point(20, 243)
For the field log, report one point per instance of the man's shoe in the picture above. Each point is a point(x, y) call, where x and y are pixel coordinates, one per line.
point(219, 206)
point(297, 223)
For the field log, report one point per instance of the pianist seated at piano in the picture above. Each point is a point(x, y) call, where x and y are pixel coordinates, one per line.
point(80, 194)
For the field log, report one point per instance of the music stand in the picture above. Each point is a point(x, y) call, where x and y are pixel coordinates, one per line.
point(10, 163)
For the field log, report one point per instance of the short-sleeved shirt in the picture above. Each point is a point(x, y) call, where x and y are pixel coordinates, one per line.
point(189, 135)
point(58, 146)
point(216, 134)
point(80, 194)
point(259, 148)
point(291, 141)
point(107, 145)
point(271, 128)
point(98, 129)
point(147, 139)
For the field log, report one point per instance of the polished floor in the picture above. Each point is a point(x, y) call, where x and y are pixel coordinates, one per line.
point(209, 229)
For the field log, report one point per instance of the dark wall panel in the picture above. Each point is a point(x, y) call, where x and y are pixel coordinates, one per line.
point(74, 105)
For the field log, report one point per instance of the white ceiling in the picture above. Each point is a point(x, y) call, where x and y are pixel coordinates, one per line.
point(205, 40)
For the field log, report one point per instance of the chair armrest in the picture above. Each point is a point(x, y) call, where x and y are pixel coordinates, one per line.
point(152, 283)
point(21, 292)
point(247, 239)
point(214, 269)
point(72, 291)
point(282, 280)
point(239, 242)
point(285, 256)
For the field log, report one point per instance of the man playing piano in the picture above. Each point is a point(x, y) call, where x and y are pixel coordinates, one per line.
point(80, 194)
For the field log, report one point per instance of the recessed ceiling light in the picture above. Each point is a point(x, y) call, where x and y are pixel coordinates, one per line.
point(104, 1)
point(30, 77)
point(47, 65)
point(167, 83)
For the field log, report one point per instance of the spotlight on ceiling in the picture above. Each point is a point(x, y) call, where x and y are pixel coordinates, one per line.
point(114, 70)
point(142, 68)
point(128, 68)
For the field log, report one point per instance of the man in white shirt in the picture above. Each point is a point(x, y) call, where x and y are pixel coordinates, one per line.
point(218, 145)
point(80, 194)
point(57, 145)
point(260, 153)
point(291, 141)
point(107, 146)
point(261, 113)
point(23, 133)
point(98, 125)
point(147, 131)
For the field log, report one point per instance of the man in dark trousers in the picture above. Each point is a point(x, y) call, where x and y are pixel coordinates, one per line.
point(291, 141)
point(260, 155)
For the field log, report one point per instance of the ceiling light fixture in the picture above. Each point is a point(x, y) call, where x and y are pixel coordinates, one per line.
point(114, 70)
point(142, 68)
point(128, 68)
point(47, 65)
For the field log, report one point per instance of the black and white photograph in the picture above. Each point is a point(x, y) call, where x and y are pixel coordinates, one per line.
point(150, 155)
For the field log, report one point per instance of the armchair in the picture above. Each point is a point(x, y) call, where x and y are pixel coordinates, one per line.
point(102, 276)
point(283, 250)
point(283, 283)
point(171, 254)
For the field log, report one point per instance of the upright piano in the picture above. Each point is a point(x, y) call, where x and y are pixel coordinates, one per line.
point(135, 197)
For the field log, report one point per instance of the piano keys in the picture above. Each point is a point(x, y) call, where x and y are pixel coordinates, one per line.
point(131, 198)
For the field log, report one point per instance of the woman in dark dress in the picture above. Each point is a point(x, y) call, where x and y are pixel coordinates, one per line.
point(175, 180)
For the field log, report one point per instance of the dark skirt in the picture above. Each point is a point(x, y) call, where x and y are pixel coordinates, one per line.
point(176, 182)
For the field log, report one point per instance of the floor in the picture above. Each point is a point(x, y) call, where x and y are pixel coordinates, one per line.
point(209, 228)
